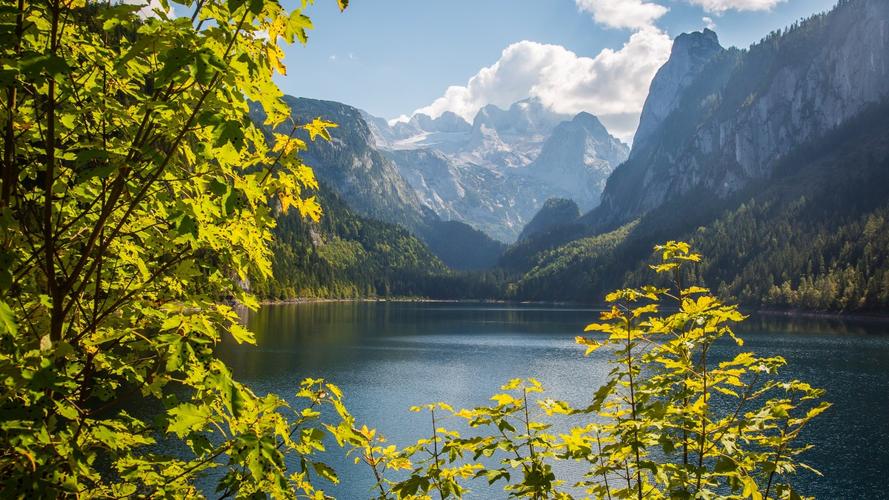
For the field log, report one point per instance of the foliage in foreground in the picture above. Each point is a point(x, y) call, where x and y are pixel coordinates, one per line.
point(135, 199)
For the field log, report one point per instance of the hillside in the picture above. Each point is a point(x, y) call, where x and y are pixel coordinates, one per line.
point(370, 183)
point(813, 236)
point(346, 255)
point(773, 161)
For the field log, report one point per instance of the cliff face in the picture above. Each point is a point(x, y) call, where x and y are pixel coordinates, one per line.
point(733, 117)
point(691, 52)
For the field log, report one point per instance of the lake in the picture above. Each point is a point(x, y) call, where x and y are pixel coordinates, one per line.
point(388, 356)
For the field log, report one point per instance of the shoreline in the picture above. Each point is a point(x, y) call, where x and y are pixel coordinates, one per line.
point(882, 317)
point(790, 313)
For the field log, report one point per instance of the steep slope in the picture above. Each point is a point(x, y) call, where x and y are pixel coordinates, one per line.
point(351, 166)
point(812, 236)
point(346, 255)
point(748, 109)
point(774, 163)
point(690, 53)
point(354, 168)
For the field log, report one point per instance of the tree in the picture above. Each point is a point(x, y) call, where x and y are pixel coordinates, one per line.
point(136, 197)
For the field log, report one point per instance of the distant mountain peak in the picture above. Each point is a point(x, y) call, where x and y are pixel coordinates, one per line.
point(446, 122)
point(494, 174)
point(591, 123)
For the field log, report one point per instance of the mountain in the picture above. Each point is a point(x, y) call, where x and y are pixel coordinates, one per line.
point(352, 167)
point(690, 53)
point(493, 201)
point(512, 137)
point(496, 173)
point(741, 112)
point(578, 158)
point(812, 236)
point(346, 255)
point(772, 161)
point(555, 212)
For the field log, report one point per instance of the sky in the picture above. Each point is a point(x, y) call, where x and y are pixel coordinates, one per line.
point(393, 58)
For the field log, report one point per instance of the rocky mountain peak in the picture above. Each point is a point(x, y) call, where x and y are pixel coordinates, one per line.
point(696, 42)
point(590, 123)
point(714, 124)
point(528, 117)
point(577, 159)
point(691, 51)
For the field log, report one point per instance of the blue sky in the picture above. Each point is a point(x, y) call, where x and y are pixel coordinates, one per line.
point(392, 57)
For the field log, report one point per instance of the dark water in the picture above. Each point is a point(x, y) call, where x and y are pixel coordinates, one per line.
point(390, 356)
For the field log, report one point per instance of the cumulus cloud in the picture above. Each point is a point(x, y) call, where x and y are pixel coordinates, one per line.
point(151, 7)
point(708, 23)
point(720, 6)
point(632, 14)
point(612, 85)
point(399, 119)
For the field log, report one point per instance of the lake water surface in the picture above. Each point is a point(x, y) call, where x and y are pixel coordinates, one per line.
point(390, 356)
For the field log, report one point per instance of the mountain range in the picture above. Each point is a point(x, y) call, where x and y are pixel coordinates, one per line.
point(497, 172)
point(774, 160)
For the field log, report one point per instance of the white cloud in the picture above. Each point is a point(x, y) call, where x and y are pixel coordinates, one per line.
point(150, 7)
point(708, 23)
point(632, 14)
point(399, 119)
point(720, 6)
point(613, 85)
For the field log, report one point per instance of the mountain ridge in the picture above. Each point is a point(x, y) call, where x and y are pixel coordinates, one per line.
point(500, 169)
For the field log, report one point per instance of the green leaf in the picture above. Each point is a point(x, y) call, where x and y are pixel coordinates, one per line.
point(187, 417)
point(326, 472)
point(7, 319)
point(241, 334)
point(229, 131)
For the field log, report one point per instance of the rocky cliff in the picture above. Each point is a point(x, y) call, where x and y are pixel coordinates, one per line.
point(730, 119)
